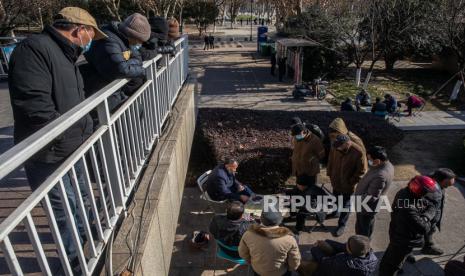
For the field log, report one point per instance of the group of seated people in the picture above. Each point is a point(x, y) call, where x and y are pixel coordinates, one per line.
point(382, 108)
point(272, 249)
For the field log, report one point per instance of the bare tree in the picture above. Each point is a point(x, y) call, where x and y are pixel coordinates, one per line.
point(233, 9)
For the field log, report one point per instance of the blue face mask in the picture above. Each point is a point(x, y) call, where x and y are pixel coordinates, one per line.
point(136, 47)
point(299, 137)
point(86, 47)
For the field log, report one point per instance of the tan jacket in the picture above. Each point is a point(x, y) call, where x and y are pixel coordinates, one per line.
point(339, 126)
point(346, 169)
point(306, 155)
point(271, 251)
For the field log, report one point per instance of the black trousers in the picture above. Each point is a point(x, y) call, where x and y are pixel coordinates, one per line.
point(343, 216)
point(393, 259)
point(364, 224)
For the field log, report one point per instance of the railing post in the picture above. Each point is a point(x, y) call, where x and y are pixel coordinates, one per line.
point(167, 64)
point(109, 147)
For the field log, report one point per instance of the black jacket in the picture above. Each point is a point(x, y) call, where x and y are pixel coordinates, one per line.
point(44, 83)
point(110, 59)
point(229, 231)
point(342, 263)
point(410, 219)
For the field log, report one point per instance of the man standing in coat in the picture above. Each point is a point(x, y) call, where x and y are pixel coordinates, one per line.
point(411, 218)
point(345, 169)
point(118, 57)
point(45, 83)
point(373, 184)
point(306, 156)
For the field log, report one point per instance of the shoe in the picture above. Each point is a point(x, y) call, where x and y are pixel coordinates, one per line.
point(410, 259)
point(432, 250)
point(338, 232)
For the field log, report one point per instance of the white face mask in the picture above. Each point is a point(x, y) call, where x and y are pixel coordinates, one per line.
point(370, 163)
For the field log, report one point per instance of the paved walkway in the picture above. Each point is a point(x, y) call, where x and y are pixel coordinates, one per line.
point(432, 120)
point(234, 76)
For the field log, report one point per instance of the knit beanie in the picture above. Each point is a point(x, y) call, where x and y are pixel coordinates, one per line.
point(136, 26)
point(359, 245)
point(297, 129)
point(341, 140)
point(271, 218)
point(159, 26)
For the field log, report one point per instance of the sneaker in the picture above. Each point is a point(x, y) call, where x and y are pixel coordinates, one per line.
point(432, 250)
point(338, 232)
point(410, 259)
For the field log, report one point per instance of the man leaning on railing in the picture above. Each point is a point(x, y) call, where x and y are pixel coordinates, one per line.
point(44, 83)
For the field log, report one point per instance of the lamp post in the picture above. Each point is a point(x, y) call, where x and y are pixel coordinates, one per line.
point(251, 25)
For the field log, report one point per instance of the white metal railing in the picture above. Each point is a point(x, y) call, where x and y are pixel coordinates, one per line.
point(111, 161)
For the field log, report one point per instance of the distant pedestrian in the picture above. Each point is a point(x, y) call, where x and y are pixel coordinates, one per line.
point(207, 42)
point(281, 68)
point(263, 21)
point(242, 21)
point(211, 41)
point(273, 63)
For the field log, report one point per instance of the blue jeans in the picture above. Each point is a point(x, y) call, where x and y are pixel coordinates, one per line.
point(247, 191)
point(37, 173)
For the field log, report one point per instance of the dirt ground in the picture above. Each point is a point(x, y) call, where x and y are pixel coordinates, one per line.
point(424, 151)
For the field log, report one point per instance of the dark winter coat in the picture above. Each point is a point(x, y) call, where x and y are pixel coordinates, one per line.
point(110, 59)
point(343, 263)
point(229, 231)
point(219, 183)
point(410, 219)
point(437, 198)
point(44, 83)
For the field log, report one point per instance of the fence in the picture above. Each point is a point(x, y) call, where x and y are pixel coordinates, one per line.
point(97, 179)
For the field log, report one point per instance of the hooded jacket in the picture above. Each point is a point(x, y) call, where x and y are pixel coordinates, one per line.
point(306, 155)
point(334, 160)
point(272, 251)
point(346, 169)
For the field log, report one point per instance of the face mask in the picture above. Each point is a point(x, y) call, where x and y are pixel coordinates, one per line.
point(86, 47)
point(299, 137)
point(370, 163)
point(136, 47)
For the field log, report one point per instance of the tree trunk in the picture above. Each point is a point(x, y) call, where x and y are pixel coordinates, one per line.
point(358, 74)
point(455, 91)
point(389, 63)
point(367, 79)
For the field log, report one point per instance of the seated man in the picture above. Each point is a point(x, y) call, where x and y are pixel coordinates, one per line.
point(229, 228)
point(222, 184)
point(362, 99)
point(413, 101)
point(354, 258)
point(379, 108)
point(347, 105)
point(391, 103)
point(271, 250)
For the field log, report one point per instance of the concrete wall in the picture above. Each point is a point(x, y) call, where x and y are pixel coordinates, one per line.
point(160, 191)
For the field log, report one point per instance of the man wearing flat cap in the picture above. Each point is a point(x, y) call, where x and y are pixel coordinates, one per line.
point(45, 83)
point(348, 166)
point(118, 57)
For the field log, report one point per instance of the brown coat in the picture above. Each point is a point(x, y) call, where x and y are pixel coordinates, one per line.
point(346, 169)
point(306, 155)
point(271, 251)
